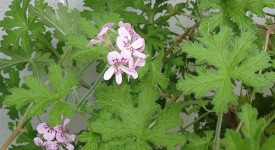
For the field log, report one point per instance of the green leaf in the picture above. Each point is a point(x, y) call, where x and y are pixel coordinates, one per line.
point(42, 96)
point(167, 119)
point(234, 12)
point(18, 25)
point(61, 109)
point(269, 144)
point(232, 57)
point(154, 37)
point(88, 28)
point(155, 76)
point(233, 141)
point(137, 124)
point(90, 139)
point(252, 129)
point(63, 20)
point(37, 61)
point(85, 52)
point(197, 143)
point(271, 76)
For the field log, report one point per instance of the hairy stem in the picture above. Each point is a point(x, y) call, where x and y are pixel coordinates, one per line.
point(218, 131)
point(197, 120)
point(19, 129)
point(180, 39)
point(92, 89)
point(270, 120)
point(239, 126)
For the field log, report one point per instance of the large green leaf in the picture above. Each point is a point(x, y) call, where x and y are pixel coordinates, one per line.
point(41, 96)
point(137, 124)
point(233, 57)
point(18, 25)
point(234, 12)
point(252, 130)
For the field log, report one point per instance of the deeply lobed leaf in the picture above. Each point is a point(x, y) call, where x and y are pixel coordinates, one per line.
point(233, 57)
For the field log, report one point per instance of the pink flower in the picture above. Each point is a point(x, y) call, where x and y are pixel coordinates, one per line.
point(130, 29)
point(63, 135)
point(48, 133)
point(39, 142)
point(49, 145)
point(52, 145)
point(124, 42)
point(100, 35)
point(134, 65)
point(117, 62)
point(56, 137)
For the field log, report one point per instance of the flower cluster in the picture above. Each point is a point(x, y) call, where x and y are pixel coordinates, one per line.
point(127, 55)
point(55, 137)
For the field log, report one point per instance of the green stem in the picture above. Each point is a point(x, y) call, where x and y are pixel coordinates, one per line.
point(68, 52)
point(44, 41)
point(34, 69)
point(270, 120)
point(92, 89)
point(239, 126)
point(218, 131)
point(197, 120)
point(84, 70)
point(179, 40)
point(84, 118)
point(19, 128)
point(84, 84)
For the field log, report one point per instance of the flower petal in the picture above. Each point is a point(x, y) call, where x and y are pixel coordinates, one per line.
point(60, 137)
point(102, 32)
point(125, 25)
point(49, 135)
point(138, 43)
point(140, 62)
point(68, 146)
point(58, 128)
point(42, 128)
point(118, 78)
point(129, 71)
point(131, 63)
point(122, 31)
point(70, 138)
point(51, 145)
point(109, 25)
point(93, 41)
point(113, 57)
point(139, 54)
point(120, 42)
point(66, 122)
point(109, 73)
point(38, 142)
point(125, 55)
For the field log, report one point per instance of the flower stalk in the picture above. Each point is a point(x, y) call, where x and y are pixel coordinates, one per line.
point(218, 131)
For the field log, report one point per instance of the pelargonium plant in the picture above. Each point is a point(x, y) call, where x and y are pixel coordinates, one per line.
point(138, 75)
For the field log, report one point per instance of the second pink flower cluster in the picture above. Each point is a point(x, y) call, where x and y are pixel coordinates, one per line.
point(127, 55)
point(56, 137)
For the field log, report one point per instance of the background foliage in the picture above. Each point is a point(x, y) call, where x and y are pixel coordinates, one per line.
point(195, 71)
